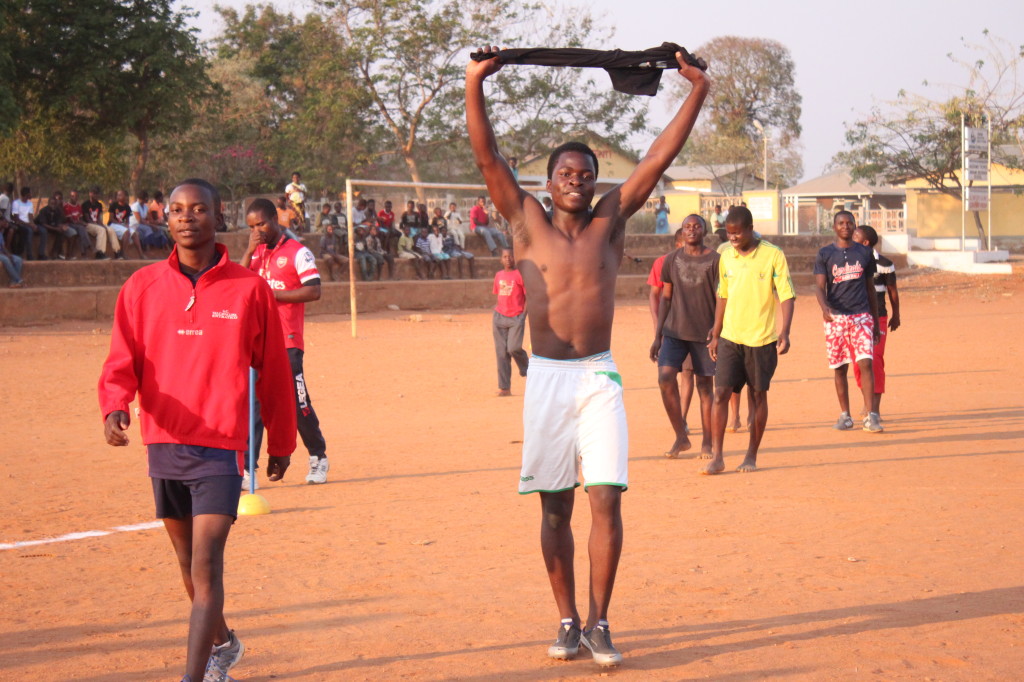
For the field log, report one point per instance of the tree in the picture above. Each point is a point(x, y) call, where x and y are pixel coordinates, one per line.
point(37, 108)
point(410, 57)
point(534, 107)
point(752, 79)
point(87, 73)
point(320, 115)
point(157, 75)
point(918, 137)
point(237, 169)
point(407, 55)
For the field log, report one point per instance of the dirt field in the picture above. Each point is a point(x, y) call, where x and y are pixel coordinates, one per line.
point(849, 556)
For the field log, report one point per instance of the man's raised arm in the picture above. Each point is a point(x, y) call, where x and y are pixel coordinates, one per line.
point(638, 187)
point(501, 183)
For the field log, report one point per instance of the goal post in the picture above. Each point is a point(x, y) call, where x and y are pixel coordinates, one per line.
point(357, 182)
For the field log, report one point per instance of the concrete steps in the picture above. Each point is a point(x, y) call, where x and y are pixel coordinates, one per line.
point(42, 305)
point(87, 289)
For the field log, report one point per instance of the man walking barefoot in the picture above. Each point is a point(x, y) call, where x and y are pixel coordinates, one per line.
point(573, 408)
point(685, 318)
point(744, 343)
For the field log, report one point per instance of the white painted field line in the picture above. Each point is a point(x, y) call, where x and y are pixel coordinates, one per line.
point(81, 535)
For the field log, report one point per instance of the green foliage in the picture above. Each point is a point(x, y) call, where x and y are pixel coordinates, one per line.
point(355, 87)
point(319, 115)
point(92, 71)
point(916, 136)
point(534, 108)
point(408, 56)
point(752, 80)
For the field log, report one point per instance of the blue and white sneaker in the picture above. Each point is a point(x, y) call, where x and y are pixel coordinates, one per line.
point(599, 640)
point(844, 423)
point(567, 644)
point(223, 658)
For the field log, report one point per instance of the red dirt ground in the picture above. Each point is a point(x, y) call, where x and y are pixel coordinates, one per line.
point(849, 556)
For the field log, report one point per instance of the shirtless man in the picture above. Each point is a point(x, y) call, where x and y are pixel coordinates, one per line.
point(569, 264)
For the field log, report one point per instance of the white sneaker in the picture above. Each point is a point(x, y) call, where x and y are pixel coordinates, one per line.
point(318, 468)
point(223, 658)
point(245, 482)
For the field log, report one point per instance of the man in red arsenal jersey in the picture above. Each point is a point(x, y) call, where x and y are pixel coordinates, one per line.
point(290, 269)
point(185, 333)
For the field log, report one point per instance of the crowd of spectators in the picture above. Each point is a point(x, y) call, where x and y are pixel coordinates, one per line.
point(434, 242)
point(57, 229)
point(111, 226)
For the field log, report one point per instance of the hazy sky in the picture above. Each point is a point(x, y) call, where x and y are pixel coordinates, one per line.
point(848, 55)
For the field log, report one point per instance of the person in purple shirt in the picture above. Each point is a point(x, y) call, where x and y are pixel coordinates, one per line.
point(844, 287)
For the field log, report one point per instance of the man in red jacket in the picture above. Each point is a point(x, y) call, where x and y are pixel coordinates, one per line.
point(185, 333)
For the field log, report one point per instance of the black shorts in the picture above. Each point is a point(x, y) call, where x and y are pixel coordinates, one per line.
point(751, 365)
point(207, 495)
point(675, 353)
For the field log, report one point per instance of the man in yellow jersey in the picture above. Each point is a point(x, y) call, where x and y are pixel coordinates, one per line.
point(744, 342)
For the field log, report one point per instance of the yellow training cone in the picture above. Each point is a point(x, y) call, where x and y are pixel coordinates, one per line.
point(253, 505)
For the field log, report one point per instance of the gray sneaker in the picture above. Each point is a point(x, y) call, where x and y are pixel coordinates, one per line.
point(844, 423)
point(599, 641)
point(873, 423)
point(318, 468)
point(223, 658)
point(567, 644)
point(245, 482)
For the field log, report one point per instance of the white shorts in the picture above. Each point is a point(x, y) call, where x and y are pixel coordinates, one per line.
point(573, 421)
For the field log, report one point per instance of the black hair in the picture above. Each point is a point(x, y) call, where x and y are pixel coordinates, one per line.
point(869, 234)
point(700, 219)
point(570, 147)
point(158, 196)
point(839, 213)
point(143, 195)
point(25, 191)
point(740, 215)
point(264, 207)
point(208, 186)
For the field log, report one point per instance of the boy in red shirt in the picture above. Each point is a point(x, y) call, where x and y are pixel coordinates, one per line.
point(480, 222)
point(509, 322)
point(186, 331)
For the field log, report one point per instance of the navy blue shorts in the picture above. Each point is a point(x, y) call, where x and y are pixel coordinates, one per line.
point(207, 495)
point(674, 353)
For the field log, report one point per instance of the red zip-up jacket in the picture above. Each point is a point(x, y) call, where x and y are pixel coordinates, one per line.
point(187, 351)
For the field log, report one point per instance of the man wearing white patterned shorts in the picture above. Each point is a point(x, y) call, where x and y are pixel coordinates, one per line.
point(573, 409)
point(844, 286)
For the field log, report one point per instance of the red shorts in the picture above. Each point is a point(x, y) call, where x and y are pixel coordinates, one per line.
point(878, 358)
point(848, 338)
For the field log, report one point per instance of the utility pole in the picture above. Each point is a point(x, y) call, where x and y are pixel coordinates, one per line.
point(764, 138)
